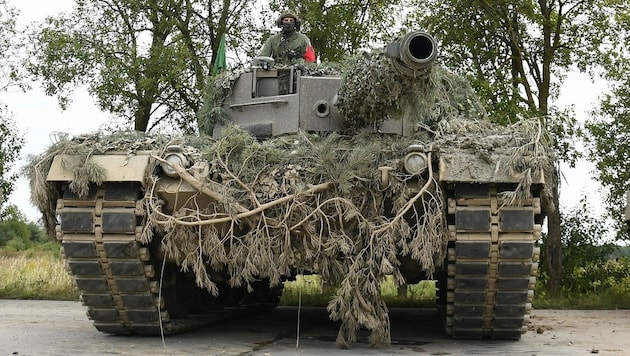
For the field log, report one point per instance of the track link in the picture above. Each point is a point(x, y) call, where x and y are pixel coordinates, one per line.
point(492, 262)
point(112, 270)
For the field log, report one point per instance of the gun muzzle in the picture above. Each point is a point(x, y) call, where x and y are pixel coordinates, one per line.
point(414, 51)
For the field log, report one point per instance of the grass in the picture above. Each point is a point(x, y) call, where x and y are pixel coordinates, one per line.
point(40, 276)
point(610, 299)
point(309, 288)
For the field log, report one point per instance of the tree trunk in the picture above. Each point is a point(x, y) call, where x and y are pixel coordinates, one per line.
point(142, 116)
point(554, 246)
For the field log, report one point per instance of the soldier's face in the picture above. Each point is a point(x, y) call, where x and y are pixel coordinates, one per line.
point(288, 24)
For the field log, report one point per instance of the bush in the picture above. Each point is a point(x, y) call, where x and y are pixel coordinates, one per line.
point(598, 285)
point(586, 243)
point(17, 234)
point(598, 276)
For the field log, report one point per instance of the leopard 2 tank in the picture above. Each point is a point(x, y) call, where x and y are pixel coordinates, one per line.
point(389, 169)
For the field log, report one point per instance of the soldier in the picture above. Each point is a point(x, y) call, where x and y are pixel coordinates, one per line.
point(289, 46)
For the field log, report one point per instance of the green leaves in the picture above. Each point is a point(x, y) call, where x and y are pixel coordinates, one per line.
point(11, 141)
point(609, 148)
point(608, 130)
point(517, 53)
point(145, 62)
point(339, 28)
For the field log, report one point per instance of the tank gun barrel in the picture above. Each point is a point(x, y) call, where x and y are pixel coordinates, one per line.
point(415, 51)
point(381, 83)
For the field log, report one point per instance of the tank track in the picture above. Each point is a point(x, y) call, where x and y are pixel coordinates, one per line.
point(113, 271)
point(491, 262)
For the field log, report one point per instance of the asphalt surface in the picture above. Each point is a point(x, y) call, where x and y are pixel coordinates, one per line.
point(62, 328)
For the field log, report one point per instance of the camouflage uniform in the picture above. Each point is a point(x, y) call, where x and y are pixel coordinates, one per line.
point(286, 48)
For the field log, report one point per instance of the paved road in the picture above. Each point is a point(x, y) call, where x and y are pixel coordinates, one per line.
point(61, 328)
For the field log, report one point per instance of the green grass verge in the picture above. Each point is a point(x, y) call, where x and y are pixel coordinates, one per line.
point(606, 299)
point(40, 274)
point(309, 291)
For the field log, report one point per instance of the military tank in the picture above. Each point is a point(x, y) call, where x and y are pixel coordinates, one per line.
point(387, 169)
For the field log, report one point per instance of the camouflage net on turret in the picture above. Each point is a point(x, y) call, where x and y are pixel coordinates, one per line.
point(374, 91)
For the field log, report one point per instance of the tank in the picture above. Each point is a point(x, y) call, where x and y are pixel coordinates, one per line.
point(389, 168)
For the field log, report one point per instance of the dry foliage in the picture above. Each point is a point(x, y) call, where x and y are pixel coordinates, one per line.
point(526, 144)
point(307, 203)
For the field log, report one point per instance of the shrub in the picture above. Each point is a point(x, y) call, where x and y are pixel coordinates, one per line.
point(598, 276)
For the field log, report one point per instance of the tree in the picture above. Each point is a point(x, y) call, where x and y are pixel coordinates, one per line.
point(17, 232)
point(338, 28)
point(516, 54)
point(10, 67)
point(584, 240)
point(608, 131)
point(11, 142)
point(146, 62)
point(609, 146)
point(14, 229)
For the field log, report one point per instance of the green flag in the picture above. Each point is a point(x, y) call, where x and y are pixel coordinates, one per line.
point(219, 63)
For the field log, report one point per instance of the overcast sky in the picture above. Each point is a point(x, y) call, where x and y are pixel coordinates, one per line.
point(37, 116)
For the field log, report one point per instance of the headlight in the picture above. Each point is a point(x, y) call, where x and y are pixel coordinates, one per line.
point(174, 158)
point(415, 163)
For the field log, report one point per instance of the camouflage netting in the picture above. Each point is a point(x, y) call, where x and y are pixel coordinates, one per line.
point(374, 91)
point(296, 203)
point(304, 203)
point(308, 203)
point(526, 143)
point(76, 153)
point(315, 204)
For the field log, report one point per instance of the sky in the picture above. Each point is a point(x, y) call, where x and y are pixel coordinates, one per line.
point(39, 116)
